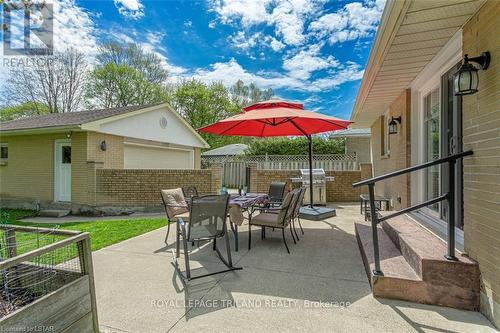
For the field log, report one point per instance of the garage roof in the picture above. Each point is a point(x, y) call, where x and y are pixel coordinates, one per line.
point(69, 118)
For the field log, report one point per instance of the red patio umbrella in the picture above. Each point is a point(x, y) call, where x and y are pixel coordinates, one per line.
point(278, 118)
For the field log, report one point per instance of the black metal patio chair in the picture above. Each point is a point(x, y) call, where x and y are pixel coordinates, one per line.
point(189, 192)
point(207, 222)
point(278, 217)
point(276, 193)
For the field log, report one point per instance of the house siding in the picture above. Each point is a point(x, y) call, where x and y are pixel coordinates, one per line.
point(481, 133)
point(360, 146)
point(398, 188)
point(29, 172)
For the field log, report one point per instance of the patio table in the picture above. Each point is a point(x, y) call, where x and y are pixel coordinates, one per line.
point(238, 204)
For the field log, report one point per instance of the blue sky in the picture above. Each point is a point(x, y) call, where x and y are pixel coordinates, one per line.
point(312, 51)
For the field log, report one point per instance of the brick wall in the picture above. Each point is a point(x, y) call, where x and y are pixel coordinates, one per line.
point(141, 188)
point(339, 190)
point(398, 188)
point(112, 158)
point(481, 130)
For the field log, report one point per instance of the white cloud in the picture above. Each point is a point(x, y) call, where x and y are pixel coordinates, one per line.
point(305, 62)
point(276, 45)
point(74, 27)
point(351, 72)
point(245, 42)
point(354, 20)
point(250, 12)
point(288, 17)
point(230, 72)
point(133, 9)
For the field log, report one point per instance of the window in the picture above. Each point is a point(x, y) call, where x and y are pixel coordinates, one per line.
point(4, 152)
point(66, 154)
point(385, 143)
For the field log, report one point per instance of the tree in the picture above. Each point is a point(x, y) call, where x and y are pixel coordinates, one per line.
point(55, 81)
point(131, 54)
point(24, 110)
point(126, 75)
point(295, 146)
point(201, 104)
point(115, 85)
point(243, 95)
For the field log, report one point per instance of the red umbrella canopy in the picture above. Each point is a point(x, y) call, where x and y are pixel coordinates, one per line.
point(276, 118)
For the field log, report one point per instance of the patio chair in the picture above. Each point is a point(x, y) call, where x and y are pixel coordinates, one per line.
point(296, 213)
point(208, 215)
point(269, 219)
point(175, 206)
point(276, 193)
point(189, 192)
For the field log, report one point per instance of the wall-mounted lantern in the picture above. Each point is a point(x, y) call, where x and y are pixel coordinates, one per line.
point(466, 78)
point(103, 145)
point(393, 125)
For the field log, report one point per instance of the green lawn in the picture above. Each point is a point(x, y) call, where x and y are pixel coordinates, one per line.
point(102, 233)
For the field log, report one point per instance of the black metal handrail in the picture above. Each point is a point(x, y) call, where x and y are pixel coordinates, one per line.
point(449, 197)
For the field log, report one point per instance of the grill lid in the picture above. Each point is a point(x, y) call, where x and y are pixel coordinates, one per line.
point(317, 173)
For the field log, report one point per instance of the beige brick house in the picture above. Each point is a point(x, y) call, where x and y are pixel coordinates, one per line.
point(63, 158)
point(409, 78)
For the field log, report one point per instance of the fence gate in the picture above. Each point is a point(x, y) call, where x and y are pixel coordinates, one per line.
point(234, 174)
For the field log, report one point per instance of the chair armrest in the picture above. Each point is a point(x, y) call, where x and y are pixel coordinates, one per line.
point(276, 209)
point(177, 206)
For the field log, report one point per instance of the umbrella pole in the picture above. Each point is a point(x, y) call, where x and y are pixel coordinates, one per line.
point(309, 139)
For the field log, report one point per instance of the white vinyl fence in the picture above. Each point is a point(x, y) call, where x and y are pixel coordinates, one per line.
point(234, 167)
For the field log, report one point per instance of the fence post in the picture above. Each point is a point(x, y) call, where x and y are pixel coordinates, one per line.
point(10, 235)
point(88, 269)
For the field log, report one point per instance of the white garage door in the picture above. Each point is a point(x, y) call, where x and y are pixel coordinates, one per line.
point(147, 157)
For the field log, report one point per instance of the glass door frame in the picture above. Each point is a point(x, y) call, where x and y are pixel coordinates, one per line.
point(427, 80)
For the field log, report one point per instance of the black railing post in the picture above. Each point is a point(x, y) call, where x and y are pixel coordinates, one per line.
point(374, 220)
point(451, 210)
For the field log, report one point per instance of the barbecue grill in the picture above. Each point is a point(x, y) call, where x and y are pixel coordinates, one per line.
point(319, 185)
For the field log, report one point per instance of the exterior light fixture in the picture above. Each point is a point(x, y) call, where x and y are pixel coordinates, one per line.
point(466, 78)
point(103, 145)
point(393, 125)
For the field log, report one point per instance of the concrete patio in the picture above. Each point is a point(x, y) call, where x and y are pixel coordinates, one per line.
point(321, 286)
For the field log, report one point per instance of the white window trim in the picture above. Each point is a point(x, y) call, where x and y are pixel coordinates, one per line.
point(387, 139)
point(428, 79)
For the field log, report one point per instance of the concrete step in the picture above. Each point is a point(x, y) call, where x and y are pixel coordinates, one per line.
point(414, 267)
point(54, 212)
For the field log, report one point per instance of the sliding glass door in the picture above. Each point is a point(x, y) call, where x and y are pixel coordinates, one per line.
point(432, 143)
